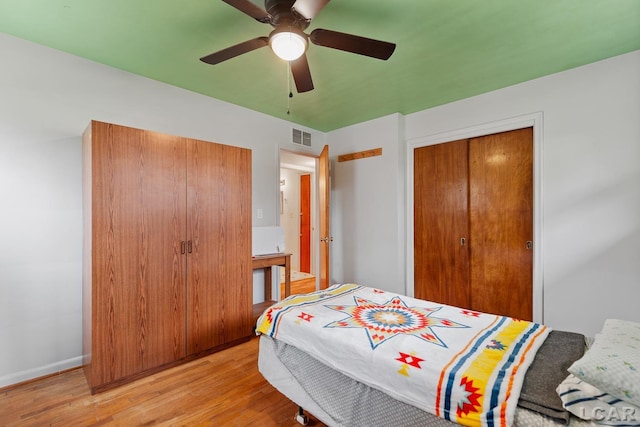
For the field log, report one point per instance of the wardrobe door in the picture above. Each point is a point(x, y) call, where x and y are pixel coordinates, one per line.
point(138, 274)
point(219, 269)
point(501, 218)
point(441, 256)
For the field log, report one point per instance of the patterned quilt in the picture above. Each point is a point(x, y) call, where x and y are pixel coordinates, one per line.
point(465, 366)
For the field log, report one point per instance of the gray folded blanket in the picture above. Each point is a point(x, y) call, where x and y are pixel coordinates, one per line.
point(548, 370)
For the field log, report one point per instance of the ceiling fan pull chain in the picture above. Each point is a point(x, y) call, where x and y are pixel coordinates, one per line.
point(290, 95)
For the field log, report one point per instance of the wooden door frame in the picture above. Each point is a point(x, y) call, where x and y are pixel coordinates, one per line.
point(324, 221)
point(315, 220)
point(534, 120)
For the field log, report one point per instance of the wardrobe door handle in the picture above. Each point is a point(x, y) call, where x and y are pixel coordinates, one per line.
point(189, 246)
point(183, 247)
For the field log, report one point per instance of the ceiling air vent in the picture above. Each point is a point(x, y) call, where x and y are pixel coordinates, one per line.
point(301, 138)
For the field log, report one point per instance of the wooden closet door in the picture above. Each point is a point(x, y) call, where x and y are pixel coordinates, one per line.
point(139, 220)
point(501, 218)
point(219, 268)
point(441, 261)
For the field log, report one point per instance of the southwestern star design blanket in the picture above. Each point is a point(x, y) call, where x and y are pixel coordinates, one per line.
point(465, 366)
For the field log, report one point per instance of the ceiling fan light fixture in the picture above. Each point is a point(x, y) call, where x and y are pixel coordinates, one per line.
point(288, 45)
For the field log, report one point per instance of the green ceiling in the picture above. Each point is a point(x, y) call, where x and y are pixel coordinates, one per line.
point(446, 49)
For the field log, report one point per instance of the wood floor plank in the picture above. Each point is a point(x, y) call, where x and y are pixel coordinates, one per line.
point(222, 389)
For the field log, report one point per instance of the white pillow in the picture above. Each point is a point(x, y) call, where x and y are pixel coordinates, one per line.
point(612, 363)
point(622, 330)
point(587, 402)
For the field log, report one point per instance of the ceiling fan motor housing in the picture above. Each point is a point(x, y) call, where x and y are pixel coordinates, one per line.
point(282, 14)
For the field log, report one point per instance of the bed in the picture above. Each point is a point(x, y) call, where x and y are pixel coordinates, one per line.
point(358, 356)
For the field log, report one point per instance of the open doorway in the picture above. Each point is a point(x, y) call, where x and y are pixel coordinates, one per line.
point(298, 218)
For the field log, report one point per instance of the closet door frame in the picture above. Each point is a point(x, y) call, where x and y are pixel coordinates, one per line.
point(534, 120)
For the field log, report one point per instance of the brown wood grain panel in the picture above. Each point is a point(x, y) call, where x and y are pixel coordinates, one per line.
point(440, 221)
point(162, 274)
point(501, 216)
point(140, 247)
point(139, 219)
point(360, 155)
point(220, 275)
point(114, 295)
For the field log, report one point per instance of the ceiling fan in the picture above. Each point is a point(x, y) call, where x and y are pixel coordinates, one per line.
point(289, 41)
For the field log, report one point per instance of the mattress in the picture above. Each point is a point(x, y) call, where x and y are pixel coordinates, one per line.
point(337, 400)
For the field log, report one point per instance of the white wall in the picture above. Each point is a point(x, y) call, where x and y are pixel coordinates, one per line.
point(367, 205)
point(47, 99)
point(290, 215)
point(590, 189)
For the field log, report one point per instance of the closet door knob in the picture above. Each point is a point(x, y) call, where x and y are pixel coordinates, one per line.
point(190, 246)
point(183, 247)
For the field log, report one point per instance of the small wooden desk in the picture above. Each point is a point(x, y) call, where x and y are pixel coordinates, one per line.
point(266, 262)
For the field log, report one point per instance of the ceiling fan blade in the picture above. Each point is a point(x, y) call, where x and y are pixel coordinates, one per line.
point(236, 50)
point(308, 9)
point(250, 9)
point(354, 44)
point(302, 74)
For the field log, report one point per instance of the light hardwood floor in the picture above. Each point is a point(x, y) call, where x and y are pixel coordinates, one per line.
point(222, 389)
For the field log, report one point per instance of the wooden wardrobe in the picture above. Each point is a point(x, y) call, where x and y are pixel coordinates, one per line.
point(167, 272)
point(473, 223)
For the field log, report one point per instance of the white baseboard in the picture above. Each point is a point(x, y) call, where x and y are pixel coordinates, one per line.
point(41, 371)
